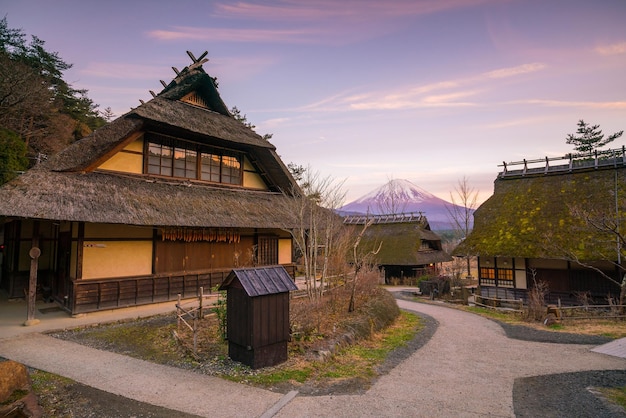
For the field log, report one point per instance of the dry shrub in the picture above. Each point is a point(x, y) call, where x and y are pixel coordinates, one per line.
point(584, 298)
point(376, 313)
point(319, 324)
point(537, 301)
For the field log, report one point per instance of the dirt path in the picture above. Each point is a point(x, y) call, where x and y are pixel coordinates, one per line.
point(467, 369)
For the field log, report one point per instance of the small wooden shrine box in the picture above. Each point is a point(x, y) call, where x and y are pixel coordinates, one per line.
point(257, 315)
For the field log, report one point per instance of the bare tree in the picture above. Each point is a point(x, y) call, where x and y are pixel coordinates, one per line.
point(607, 224)
point(360, 260)
point(318, 228)
point(461, 212)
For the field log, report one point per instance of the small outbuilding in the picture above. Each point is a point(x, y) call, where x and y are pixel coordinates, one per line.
point(408, 247)
point(257, 306)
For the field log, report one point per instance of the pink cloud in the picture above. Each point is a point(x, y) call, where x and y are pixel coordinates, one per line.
point(332, 9)
point(234, 35)
point(613, 49)
point(315, 21)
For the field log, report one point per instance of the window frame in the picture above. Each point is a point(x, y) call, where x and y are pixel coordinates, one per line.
point(229, 169)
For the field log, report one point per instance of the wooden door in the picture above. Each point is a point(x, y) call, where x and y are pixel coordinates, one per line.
point(61, 278)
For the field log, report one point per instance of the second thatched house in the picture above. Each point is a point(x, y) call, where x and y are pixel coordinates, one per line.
point(163, 200)
point(556, 221)
point(406, 247)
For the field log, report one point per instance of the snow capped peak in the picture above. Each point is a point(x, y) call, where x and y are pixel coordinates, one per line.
point(398, 190)
point(402, 196)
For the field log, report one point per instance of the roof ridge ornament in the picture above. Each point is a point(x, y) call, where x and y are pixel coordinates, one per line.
point(197, 62)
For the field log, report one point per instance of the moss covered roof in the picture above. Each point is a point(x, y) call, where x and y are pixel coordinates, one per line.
point(402, 244)
point(531, 216)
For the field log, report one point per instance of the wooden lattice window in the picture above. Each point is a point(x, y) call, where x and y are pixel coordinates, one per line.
point(267, 251)
point(487, 273)
point(221, 168)
point(231, 170)
point(185, 163)
point(505, 274)
point(173, 158)
point(195, 99)
point(160, 159)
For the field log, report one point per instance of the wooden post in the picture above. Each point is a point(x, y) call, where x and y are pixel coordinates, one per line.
point(178, 313)
point(200, 304)
point(195, 334)
point(34, 253)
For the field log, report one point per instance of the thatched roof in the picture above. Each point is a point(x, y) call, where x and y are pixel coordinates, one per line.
point(401, 244)
point(197, 122)
point(67, 188)
point(78, 155)
point(194, 79)
point(110, 198)
point(535, 216)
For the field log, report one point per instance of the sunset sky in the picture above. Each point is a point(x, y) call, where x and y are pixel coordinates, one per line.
point(365, 91)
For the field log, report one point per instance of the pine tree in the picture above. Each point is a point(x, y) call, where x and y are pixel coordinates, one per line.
point(590, 138)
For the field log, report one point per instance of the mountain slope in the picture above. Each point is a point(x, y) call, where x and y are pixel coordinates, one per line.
point(402, 196)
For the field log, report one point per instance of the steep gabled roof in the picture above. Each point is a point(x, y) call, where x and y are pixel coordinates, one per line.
point(532, 215)
point(67, 188)
point(261, 281)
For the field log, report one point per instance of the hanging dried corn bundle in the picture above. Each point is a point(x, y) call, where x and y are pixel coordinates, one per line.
point(200, 234)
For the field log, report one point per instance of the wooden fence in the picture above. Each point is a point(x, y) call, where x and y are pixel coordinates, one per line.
point(560, 312)
point(499, 303)
point(94, 295)
point(589, 312)
point(98, 294)
point(188, 315)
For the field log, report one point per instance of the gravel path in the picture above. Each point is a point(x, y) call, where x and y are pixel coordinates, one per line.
point(461, 365)
point(471, 368)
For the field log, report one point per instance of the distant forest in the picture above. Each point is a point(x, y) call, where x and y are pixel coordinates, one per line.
point(40, 113)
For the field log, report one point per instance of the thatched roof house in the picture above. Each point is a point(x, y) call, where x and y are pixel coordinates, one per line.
point(406, 245)
point(536, 225)
point(173, 187)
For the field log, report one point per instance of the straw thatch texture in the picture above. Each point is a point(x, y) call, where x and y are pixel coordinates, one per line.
point(133, 200)
point(532, 216)
point(197, 121)
point(67, 188)
point(196, 80)
point(401, 244)
point(80, 153)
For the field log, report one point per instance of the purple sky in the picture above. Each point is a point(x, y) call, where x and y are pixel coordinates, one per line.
point(365, 91)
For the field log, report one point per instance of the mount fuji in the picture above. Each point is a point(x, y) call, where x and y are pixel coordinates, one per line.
point(402, 196)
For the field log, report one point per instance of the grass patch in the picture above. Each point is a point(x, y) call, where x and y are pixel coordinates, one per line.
point(331, 349)
point(44, 381)
point(602, 327)
point(53, 393)
point(504, 316)
point(357, 361)
point(615, 395)
point(148, 339)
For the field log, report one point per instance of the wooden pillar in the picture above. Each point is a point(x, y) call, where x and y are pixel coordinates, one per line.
point(34, 253)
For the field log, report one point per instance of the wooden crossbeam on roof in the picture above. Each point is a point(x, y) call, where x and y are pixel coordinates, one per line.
point(385, 218)
point(567, 163)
